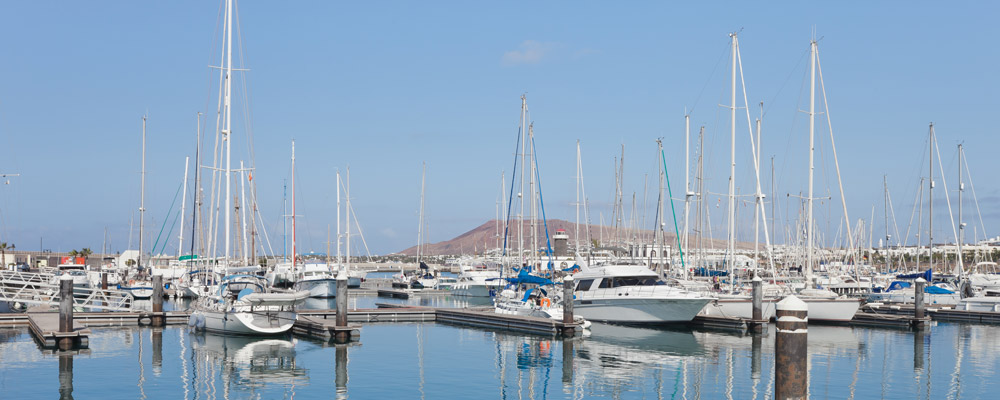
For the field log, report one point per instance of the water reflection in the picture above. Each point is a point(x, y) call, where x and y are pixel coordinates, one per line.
point(66, 376)
point(245, 363)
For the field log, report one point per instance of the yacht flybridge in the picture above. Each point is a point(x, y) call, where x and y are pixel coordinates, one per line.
point(632, 294)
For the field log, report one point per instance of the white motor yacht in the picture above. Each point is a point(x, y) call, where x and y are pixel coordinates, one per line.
point(632, 294)
point(317, 279)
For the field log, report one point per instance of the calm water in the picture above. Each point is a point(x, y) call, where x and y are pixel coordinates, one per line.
point(434, 361)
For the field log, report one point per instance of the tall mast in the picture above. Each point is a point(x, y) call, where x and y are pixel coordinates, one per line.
point(812, 148)
point(340, 261)
point(180, 238)
point(576, 234)
point(731, 246)
point(420, 214)
point(142, 193)
point(520, 194)
point(294, 254)
point(227, 110)
point(284, 218)
point(961, 225)
point(688, 194)
point(196, 201)
point(758, 197)
point(347, 234)
point(534, 195)
point(885, 210)
point(243, 213)
point(930, 200)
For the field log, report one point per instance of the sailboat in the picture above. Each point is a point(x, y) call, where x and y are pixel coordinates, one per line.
point(138, 283)
point(242, 303)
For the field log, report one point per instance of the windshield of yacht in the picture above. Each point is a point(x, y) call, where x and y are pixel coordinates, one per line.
point(633, 281)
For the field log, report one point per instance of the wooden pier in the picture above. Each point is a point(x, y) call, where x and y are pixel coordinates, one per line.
point(44, 327)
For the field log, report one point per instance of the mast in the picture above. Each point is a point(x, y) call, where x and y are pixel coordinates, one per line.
point(576, 234)
point(688, 194)
point(520, 194)
point(930, 200)
point(196, 201)
point(340, 261)
point(731, 245)
point(243, 213)
point(757, 206)
point(227, 130)
point(533, 209)
point(294, 254)
point(961, 225)
point(347, 235)
point(142, 193)
point(420, 214)
point(284, 218)
point(812, 148)
point(180, 238)
point(885, 210)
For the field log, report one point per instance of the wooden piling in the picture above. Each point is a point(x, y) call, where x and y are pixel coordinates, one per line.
point(157, 319)
point(791, 371)
point(104, 281)
point(918, 298)
point(65, 311)
point(341, 322)
point(757, 298)
point(567, 305)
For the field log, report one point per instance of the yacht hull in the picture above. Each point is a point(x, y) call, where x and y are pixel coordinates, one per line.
point(637, 310)
point(322, 288)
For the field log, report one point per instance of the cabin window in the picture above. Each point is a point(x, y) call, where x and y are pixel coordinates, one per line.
point(634, 281)
point(605, 284)
point(584, 284)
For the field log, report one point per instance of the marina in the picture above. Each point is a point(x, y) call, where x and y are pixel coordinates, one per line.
point(704, 232)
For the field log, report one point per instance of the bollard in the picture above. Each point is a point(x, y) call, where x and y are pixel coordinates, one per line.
point(66, 376)
point(342, 299)
point(340, 370)
point(65, 311)
point(158, 318)
point(918, 298)
point(758, 301)
point(791, 374)
point(568, 305)
point(104, 281)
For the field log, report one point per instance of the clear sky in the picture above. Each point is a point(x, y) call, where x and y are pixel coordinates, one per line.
point(383, 86)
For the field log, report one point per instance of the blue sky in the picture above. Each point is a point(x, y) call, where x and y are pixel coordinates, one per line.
point(383, 86)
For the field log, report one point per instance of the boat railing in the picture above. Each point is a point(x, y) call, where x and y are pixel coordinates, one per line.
point(622, 292)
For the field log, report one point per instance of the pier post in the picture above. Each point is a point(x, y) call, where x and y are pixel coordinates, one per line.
point(104, 281)
point(918, 298)
point(342, 305)
point(791, 371)
point(757, 297)
point(158, 319)
point(65, 311)
point(568, 305)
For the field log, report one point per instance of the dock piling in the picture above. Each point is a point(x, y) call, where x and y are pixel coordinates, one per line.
point(104, 281)
point(791, 371)
point(342, 305)
point(757, 298)
point(65, 311)
point(568, 319)
point(918, 298)
point(157, 319)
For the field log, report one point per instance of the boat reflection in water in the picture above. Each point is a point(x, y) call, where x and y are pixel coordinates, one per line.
point(244, 364)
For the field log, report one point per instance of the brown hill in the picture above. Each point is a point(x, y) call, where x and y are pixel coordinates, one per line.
point(485, 237)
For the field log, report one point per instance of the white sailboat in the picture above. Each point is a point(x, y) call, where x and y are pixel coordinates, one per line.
point(242, 304)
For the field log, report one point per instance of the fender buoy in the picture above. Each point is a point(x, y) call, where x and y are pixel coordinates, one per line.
point(131, 282)
point(546, 302)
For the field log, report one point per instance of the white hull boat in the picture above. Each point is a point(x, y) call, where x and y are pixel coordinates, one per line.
point(632, 294)
point(322, 288)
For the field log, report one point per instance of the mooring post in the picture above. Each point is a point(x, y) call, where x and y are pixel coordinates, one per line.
point(104, 281)
point(158, 319)
point(758, 302)
point(791, 373)
point(341, 304)
point(568, 305)
point(65, 311)
point(918, 298)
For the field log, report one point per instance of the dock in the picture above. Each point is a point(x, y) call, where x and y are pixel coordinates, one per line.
point(406, 293)
point(936, 313)
point(877, 320)
point(44, 327)
point(326, 329)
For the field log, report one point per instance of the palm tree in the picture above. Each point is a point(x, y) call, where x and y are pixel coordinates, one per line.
point(4, 246)
point(85, 252)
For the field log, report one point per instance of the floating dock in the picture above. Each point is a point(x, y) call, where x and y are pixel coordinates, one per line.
point(936, 312)
point(45, 328)
point(314, 327)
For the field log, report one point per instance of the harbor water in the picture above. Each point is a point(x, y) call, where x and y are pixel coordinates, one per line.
point(440, 361)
